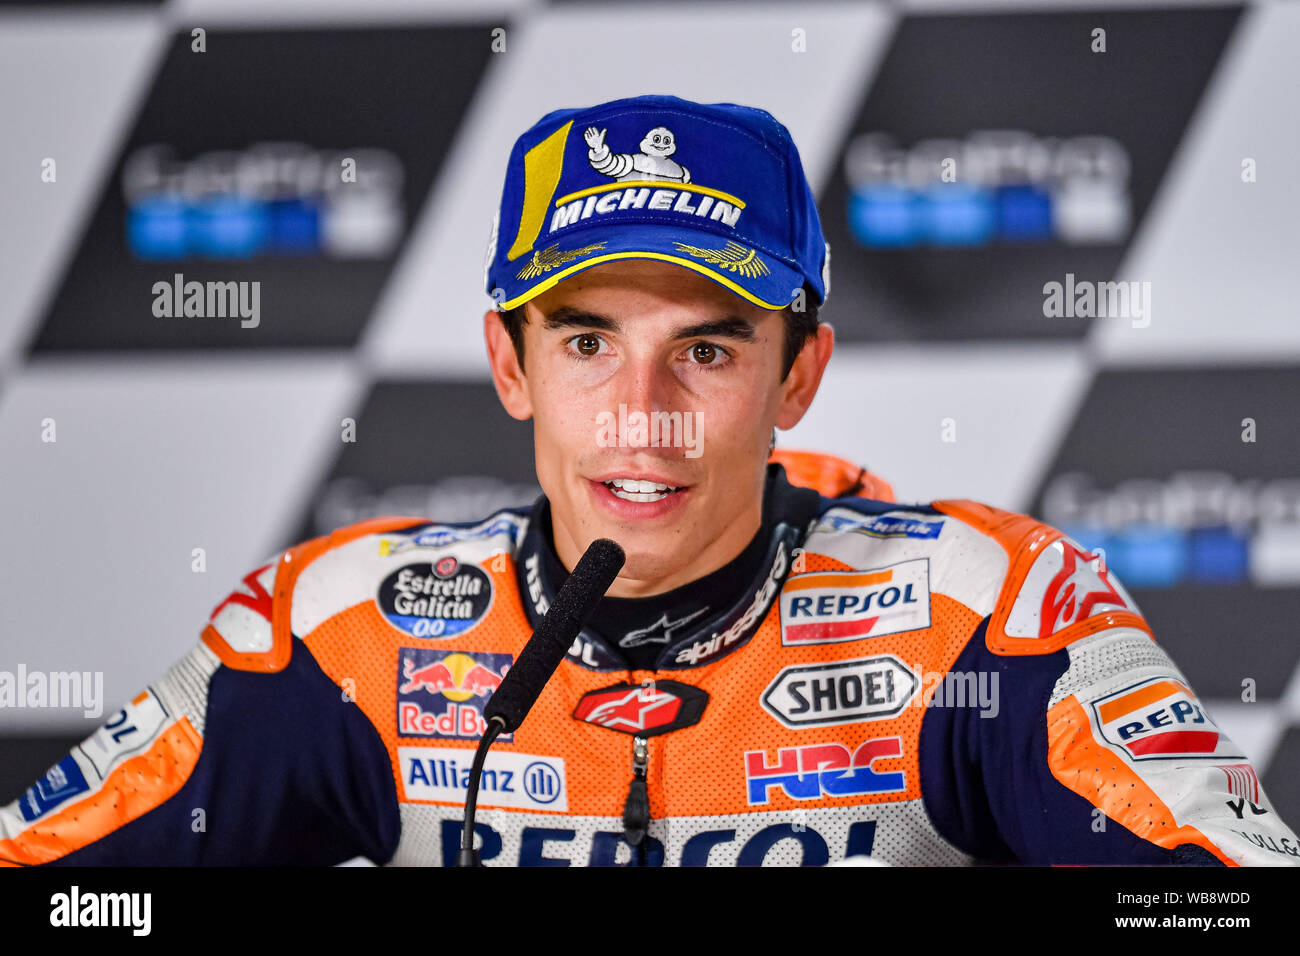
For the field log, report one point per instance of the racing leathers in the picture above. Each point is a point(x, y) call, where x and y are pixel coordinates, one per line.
point(945, 683)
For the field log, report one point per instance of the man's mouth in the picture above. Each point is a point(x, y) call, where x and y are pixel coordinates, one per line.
point(639, 490)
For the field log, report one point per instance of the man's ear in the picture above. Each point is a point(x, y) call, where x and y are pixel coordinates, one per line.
point(507, 376)
point(800, 386)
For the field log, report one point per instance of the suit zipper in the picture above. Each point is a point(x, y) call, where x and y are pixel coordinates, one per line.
point(636, 809)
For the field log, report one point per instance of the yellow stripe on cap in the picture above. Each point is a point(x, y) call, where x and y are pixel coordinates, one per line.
point(550, 281)
point(542, 166)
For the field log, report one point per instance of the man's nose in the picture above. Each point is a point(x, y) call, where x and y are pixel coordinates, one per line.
point(646, 385)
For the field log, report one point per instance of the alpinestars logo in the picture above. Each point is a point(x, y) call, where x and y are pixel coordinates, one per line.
point(1076, 591)
point(713, 646)
point(1065, 585)
point(660, 632)
point(655, 707)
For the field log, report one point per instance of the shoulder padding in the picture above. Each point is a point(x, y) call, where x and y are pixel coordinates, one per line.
point(249, 630)
point(1055, 592)
point(831, 477)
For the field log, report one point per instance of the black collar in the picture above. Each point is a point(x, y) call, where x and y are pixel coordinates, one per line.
point(726, 622)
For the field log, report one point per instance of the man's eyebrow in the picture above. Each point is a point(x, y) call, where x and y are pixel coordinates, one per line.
point(731, 327)
point(728, 327)
point(566, 317)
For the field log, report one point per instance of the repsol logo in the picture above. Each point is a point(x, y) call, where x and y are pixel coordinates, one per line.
point(830, 607)
point(561, 846)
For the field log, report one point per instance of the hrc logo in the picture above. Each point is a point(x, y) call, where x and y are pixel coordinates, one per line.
point(824, 770)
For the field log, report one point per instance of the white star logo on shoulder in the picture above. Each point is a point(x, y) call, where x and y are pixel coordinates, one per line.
point(1065, 585)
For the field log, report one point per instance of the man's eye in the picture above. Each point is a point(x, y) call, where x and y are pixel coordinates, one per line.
point(586, 344)
point(703, 353)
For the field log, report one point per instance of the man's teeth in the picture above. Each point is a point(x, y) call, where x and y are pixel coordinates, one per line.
point(633, 489)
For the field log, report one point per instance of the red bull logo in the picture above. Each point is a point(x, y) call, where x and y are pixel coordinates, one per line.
point(441, 693)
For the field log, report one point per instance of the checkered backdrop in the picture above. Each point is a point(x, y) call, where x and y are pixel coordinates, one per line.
point(1094, 144)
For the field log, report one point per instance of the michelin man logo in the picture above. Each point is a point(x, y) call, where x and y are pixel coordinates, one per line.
point(651, 163)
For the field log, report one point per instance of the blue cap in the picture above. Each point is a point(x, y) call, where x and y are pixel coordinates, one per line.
point(715, 187)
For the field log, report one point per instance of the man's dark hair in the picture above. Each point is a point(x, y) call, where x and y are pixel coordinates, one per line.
point(799, 327)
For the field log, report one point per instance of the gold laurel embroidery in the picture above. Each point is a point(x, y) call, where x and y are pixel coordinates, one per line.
point(549, 258)
point(733, 257)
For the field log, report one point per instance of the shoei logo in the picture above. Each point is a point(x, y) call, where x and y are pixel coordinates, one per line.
point(845, 692)
point(829, 607)
point(824, 770)
point(1158, 719)
point(428, 601)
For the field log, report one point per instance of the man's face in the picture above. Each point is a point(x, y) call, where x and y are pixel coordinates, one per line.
point(607, 352)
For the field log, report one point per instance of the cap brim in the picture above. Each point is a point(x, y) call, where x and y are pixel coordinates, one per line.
point(754, 276)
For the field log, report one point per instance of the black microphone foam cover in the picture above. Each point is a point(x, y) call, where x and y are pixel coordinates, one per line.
point(577, 598)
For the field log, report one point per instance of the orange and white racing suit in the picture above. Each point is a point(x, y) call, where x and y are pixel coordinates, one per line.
point(942, 683)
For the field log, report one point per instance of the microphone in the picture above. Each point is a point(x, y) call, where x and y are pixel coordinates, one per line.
point(523, 683)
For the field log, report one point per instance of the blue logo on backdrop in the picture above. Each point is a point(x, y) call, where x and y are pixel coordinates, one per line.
point(994, 186)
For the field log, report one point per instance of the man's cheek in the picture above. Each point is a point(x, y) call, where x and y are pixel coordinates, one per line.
point(563, 376)
point(573, 429)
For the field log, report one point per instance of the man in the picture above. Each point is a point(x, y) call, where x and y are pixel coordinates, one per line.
point(775, 676)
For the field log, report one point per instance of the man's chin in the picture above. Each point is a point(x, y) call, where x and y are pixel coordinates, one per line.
point(652, 570)
point(655, 551)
